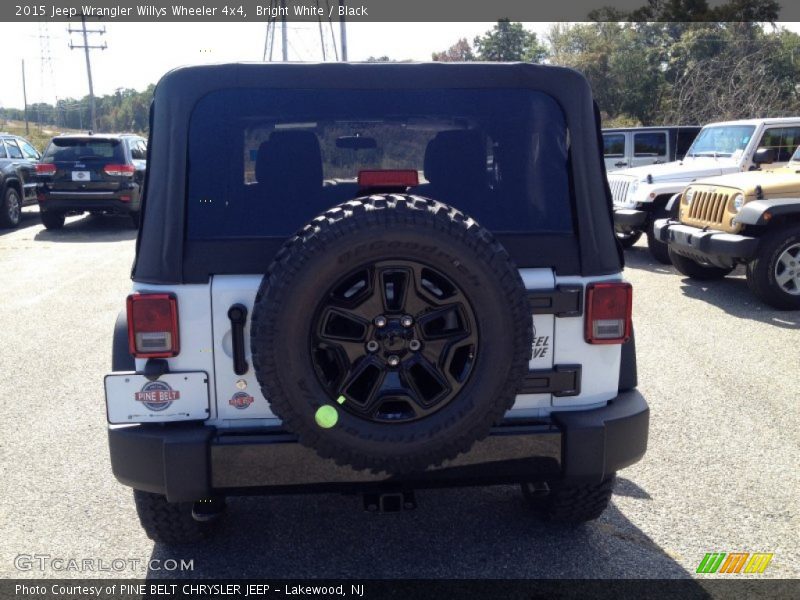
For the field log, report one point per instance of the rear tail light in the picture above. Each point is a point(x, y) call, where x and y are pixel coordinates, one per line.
point(119, 170)
point(608, 313)
point(45, 169)
point(153, 325)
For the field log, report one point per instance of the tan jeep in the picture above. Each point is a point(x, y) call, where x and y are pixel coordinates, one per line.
point(750, 218)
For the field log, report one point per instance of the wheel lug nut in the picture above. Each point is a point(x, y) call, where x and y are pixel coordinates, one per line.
point(372, 346)
point(414, 345)
point(393, 360)
point(380, 321)
point(406, 321)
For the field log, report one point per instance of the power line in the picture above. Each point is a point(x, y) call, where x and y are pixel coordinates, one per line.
point(86, 47)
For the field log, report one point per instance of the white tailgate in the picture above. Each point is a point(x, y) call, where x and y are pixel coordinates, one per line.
point(238, 396)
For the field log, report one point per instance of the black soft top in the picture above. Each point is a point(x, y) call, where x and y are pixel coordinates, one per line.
point(161, 252)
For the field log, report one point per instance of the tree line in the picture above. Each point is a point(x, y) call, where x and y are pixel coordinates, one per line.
point(126, 110)
point(671, 62)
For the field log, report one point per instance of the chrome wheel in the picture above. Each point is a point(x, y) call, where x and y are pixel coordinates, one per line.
point(787, 270)
point(13, 208)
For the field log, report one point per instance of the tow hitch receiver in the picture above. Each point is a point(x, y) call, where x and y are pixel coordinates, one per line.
point(389, 502)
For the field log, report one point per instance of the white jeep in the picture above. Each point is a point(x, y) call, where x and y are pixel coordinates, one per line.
point(373, 278)
point(642, 194)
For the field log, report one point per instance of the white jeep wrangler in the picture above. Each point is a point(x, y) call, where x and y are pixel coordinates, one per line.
point(373, 278)
point(641, 194)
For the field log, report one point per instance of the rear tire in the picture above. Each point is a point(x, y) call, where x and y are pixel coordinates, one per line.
point(627, 240)
point(136, 217)
point(658, 249)
point(570, 503)
point(10, 209)
point(769, 274)
point(52, 219)
point(169, 522)
point(694, 270)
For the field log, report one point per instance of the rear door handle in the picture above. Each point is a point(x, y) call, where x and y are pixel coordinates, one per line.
point(238, 317)
point(620, 163)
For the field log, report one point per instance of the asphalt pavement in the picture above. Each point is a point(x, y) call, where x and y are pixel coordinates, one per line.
point(718, 368)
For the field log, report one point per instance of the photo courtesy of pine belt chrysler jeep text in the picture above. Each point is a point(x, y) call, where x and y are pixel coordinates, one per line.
point(404, 276)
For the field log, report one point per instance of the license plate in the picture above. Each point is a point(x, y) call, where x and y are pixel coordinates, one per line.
point(133, 398)
point(81, 176)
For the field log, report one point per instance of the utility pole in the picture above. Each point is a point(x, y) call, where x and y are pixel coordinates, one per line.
point(86, 47)
point(284, 33)
point(25, 97)
point(343, 31)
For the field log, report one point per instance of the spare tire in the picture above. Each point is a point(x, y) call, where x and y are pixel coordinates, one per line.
point(390, 333)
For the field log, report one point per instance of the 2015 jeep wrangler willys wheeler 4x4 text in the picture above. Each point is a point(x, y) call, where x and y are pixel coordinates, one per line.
point(384, 277)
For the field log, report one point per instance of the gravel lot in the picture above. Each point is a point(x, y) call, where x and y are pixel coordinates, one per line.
point(719, 369)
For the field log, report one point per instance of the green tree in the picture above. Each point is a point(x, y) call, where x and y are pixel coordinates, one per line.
point(508, 41)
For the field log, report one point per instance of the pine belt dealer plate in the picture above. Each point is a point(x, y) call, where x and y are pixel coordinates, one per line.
point(81, 176)
point(132, 398)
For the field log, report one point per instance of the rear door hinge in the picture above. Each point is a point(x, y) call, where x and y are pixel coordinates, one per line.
point(564, 301)
point(561, 380)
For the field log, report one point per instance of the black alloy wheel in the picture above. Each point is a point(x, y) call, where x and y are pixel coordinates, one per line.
point(394, 341)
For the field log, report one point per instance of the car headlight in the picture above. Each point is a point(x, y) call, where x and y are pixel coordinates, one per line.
point(738, 202)
point(632, 188)
point(689, 196)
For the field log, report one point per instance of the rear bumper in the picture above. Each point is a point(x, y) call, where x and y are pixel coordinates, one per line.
point(629, 219)
point(110, 202)
point(189, 461)
point(716, 247)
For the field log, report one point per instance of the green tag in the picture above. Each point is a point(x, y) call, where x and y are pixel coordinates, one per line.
point(326, 416)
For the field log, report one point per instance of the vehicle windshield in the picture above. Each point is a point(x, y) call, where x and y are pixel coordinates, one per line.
point(262, 163)
point(83, 150)
point(723, 140)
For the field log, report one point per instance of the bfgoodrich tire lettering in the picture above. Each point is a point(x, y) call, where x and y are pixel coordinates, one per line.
point(371, 231)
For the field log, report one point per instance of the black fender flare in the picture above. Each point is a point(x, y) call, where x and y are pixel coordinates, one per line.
point(628, 373)
point(121, 358)
point(753, 212)
point(676, 198)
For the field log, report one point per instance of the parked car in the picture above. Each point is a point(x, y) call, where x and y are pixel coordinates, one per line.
point(748, 218)
point(350, 301)
point(18, 159)
point(641, 193)
point(96, 173)
point(637, 146)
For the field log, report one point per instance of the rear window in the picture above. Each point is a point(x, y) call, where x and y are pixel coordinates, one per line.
point(84, 150)
point(264, 162)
